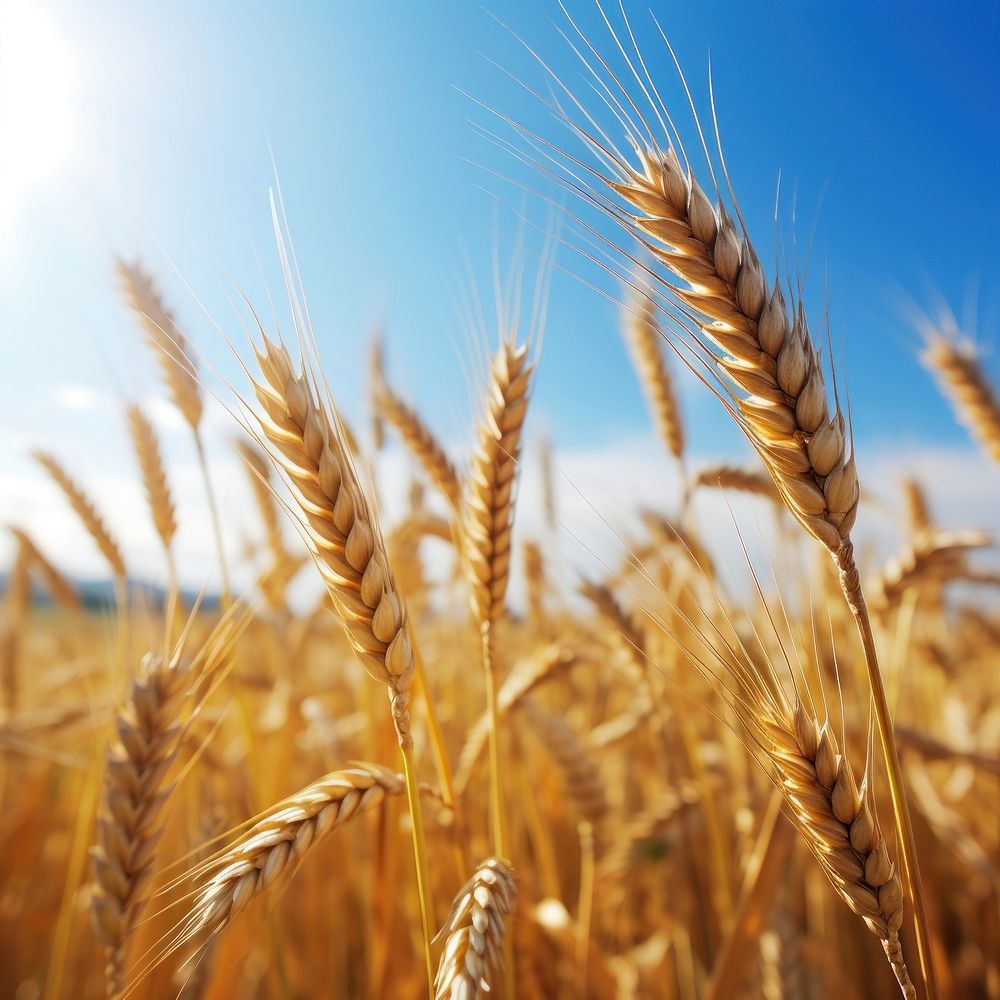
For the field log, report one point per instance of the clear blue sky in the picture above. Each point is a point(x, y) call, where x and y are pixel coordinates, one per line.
point(884, 117)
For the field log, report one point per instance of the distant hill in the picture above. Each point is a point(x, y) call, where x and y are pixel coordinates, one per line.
point(98, 595)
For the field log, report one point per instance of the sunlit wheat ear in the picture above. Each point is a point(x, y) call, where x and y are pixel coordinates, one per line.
point(419, 439)
point(645, 339)
point(86, 511)
point(917, 506)
point(956, 364)
point(759, 340)
point(154, 476)
point(258, 470)
point(726, 316)
point(835, 816)
point(163, 335)
point(138, 768)
point(489, 497)
point(474, 933)
point(308, 445)
point(60, 589)
point(270, 852)
point(931, 557)
point(738, 480)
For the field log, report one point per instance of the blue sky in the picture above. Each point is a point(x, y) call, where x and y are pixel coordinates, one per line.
point(882, 118)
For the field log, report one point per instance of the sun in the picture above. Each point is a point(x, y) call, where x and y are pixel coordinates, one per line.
point(36, 99)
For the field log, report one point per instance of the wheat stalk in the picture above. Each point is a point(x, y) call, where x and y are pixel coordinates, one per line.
point(309, 445)
point(474, 932)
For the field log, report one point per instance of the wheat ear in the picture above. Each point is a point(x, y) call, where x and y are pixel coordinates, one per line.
point(154, 476)
point(270, 852)
point(60, 589)
point(180, 375)
point(86, 511)
point(956, 364)
point(308, 446)
point(645, 339)
point(918, 509)
point(162, 334)
point(420, 440)
point(931, 557)
point(739, 480)
point(525, 676)
point(150, 727)
point(475, 933)
point(488, 520)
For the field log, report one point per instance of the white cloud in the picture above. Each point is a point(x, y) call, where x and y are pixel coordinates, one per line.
point(599, 490)
point(77, 397)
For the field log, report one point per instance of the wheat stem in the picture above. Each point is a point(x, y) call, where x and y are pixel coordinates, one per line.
point(424, 890)
point(851, 584)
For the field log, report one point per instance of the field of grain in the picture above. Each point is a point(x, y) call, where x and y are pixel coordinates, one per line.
point(647, 782)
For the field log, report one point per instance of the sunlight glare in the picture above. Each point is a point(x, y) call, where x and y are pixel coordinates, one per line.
point(36, 78)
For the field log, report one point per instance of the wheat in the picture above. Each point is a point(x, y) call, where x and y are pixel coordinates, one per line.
point(59, 588)
point(645, 338)
point(270, 852)
point(308, 445)
point(489, 499)
point(526, 676)
point(931, 557)
point(167, 341)
point(474, 932)
point(149, 729)
point(154, 476)
point(85, 510)
point(956, 363)
point(732, 477)
point(419, 438)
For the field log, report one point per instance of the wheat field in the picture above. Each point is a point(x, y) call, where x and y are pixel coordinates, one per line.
point(455, 769)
